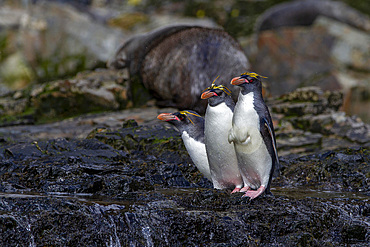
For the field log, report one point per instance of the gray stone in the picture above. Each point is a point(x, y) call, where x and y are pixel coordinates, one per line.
point(329, 54)
point(53, 40)
point(305, 13)
point(87, 92)
point(309, 119)
point(351, 47)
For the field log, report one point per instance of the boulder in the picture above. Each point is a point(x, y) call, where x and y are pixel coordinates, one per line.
point(305, 12)
point(101, 90)
point(90, 91)
point(307, 120)
point(329, 54)
point(45, 40)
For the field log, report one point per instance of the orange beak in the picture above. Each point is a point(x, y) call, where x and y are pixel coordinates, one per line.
point(167, 117)
point(208, 94)
point(237, 81)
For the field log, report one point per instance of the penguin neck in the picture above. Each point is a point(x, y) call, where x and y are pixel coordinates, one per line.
point(247, 99)
point(215, 101)
point(257, 94)
point(196, 132)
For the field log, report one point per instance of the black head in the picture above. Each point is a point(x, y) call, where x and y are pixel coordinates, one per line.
point(249, 82)
point(183, 120)
point(217, 94)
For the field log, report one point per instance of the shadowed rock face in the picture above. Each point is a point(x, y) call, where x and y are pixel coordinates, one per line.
point(304, 13)
point(176, 63)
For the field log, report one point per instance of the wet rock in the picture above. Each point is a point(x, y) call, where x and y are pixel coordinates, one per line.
point(353, 233)
point(330, 171)
point(180, 61)
point(298, 141)
point(138, 161)
point(136, 186)
point(156, 143)
point(151, 219)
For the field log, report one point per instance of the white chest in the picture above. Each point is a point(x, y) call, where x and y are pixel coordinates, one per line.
point(218, 121)
point(197, 152)
point(245, 116)
point(245, 126)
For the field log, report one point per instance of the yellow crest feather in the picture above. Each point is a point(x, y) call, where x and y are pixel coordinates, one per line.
point(252, 74)
point(221, 87)
point(187, 113)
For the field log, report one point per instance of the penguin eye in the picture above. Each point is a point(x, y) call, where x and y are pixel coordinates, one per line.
point(181, 117)
point(251, 80)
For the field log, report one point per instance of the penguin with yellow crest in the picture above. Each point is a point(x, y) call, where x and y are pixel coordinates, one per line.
point(221, 155)
point(253, 136)
point(191, 126)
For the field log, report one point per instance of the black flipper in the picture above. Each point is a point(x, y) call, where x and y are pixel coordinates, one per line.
point(272, 135)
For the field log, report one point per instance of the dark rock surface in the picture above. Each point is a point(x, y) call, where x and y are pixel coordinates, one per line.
point(79, 127)
point(135, 186)
point(185, 217)
point(137, 161)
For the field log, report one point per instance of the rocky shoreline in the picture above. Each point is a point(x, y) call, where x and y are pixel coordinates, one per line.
point(85, 162)
point(136, 186)
point(103, 179)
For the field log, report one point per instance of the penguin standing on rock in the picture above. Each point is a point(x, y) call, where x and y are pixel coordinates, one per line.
point(191, 126)
point(253, 136)
point(222, 159)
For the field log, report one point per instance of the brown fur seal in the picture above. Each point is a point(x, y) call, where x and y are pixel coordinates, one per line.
point(176, 63)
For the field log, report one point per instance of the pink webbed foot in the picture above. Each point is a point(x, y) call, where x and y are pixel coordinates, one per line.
point(254, 193)
point(245, 189)
point(237, 189)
